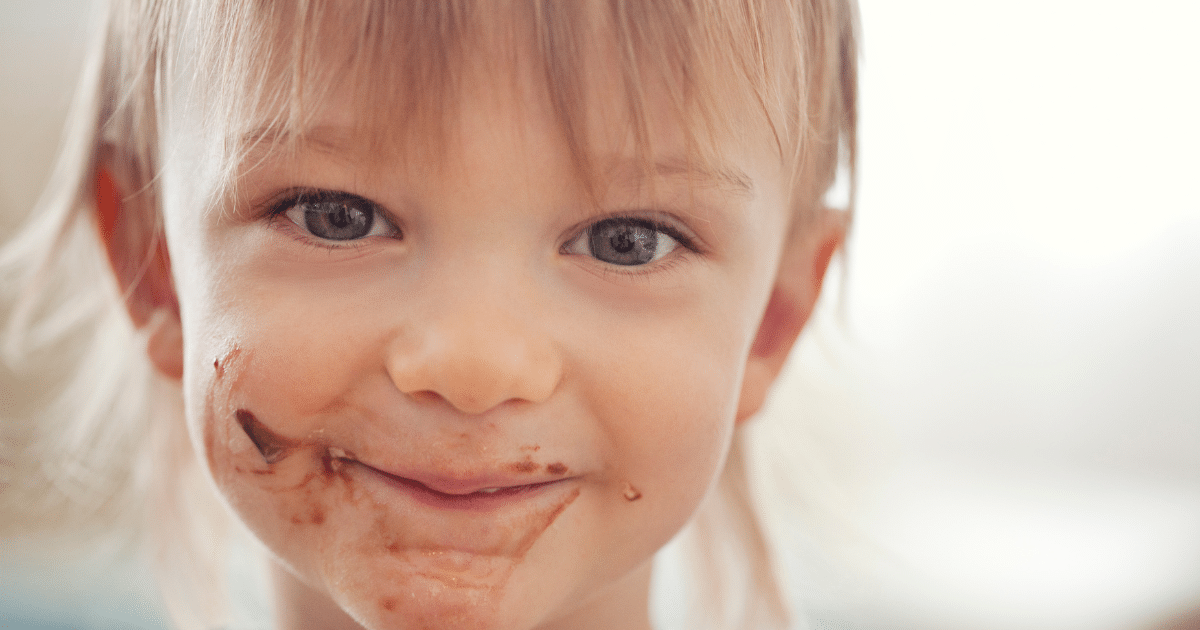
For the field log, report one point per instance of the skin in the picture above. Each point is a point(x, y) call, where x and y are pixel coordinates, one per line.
point(476, 345)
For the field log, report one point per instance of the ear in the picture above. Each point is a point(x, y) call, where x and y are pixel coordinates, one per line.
point(131, 230)
point(802, 268)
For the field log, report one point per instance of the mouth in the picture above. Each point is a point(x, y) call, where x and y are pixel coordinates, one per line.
point(485, 498)
point(476, 492)
point(486, 511)
point(419, 509)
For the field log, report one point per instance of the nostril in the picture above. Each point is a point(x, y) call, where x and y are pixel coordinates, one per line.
point(427, 396)
point(463, 399)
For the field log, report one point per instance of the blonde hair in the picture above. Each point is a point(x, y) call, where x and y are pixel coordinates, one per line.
point(112, 453)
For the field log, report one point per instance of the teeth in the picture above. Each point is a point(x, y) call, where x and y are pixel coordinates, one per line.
point(489, 490)
point(337, 453)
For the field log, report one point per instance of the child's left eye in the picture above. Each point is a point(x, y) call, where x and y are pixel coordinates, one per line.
point(624, 241)
point(334, 216)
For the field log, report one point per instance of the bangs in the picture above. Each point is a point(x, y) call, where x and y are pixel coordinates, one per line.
point(721, 70)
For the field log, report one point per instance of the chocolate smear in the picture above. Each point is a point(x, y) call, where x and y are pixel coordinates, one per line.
point(522, 467)
point(270, 444)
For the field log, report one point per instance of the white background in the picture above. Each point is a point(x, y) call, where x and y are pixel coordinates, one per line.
point(1022, 305)
point(1024, 290)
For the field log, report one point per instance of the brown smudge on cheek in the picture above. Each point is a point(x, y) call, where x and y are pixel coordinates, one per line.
point(526, 466)
point(388, 604)
point(307, 503)
point(271, 445)
point(217, 405)
point(262, 472)
point(630, 493)
point(301, 487)
point(220, 362)
point(334, 461)
point(537, 525)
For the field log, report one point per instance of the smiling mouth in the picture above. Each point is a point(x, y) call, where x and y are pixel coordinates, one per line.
point(471, 494)
point(484, 499)
point(501, 491)
point(484, 490)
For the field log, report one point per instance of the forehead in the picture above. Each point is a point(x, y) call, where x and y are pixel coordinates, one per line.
point(508, 121)
point(393, 77)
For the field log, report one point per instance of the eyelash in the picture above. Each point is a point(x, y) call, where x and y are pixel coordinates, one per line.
point(278, 208)
point(685, 240)
point(281, 204)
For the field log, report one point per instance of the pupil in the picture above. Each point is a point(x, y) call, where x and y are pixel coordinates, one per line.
point(622, 242)
point(340, 218)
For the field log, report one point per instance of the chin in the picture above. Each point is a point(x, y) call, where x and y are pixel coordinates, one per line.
point(410, 598)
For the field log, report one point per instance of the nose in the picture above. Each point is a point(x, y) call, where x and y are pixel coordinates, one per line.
point(476, 355)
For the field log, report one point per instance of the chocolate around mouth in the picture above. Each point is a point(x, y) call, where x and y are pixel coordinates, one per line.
point(448, 550)
point(271, 445)
point(274, 448)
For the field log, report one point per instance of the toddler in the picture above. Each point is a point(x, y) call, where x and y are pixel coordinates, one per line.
point(457, 306)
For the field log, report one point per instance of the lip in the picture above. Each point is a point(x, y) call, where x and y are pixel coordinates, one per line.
point(470, 492)
point(414, 511)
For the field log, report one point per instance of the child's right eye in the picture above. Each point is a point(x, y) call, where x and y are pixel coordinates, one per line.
point(336, 216)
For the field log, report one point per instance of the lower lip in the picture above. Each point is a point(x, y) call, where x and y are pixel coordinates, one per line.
point(472, 502)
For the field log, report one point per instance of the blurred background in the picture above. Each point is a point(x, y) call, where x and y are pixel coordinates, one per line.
point(1018, 330)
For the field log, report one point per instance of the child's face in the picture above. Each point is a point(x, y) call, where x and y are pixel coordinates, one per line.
point(459, 394)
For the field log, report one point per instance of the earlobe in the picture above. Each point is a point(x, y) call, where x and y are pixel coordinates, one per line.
point(797, 285)
point(164, 343)
point(131, 232)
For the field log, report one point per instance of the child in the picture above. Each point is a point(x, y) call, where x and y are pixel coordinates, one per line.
point(463, 303)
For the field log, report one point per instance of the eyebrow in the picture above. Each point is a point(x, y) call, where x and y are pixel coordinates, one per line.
point(725, 177)
point(329, 138)
point(333, 139)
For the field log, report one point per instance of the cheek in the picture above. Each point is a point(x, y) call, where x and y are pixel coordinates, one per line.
point(667, 402)
point(250, 415)
point(309, 349)
point(280, 483)
point(676, 416)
